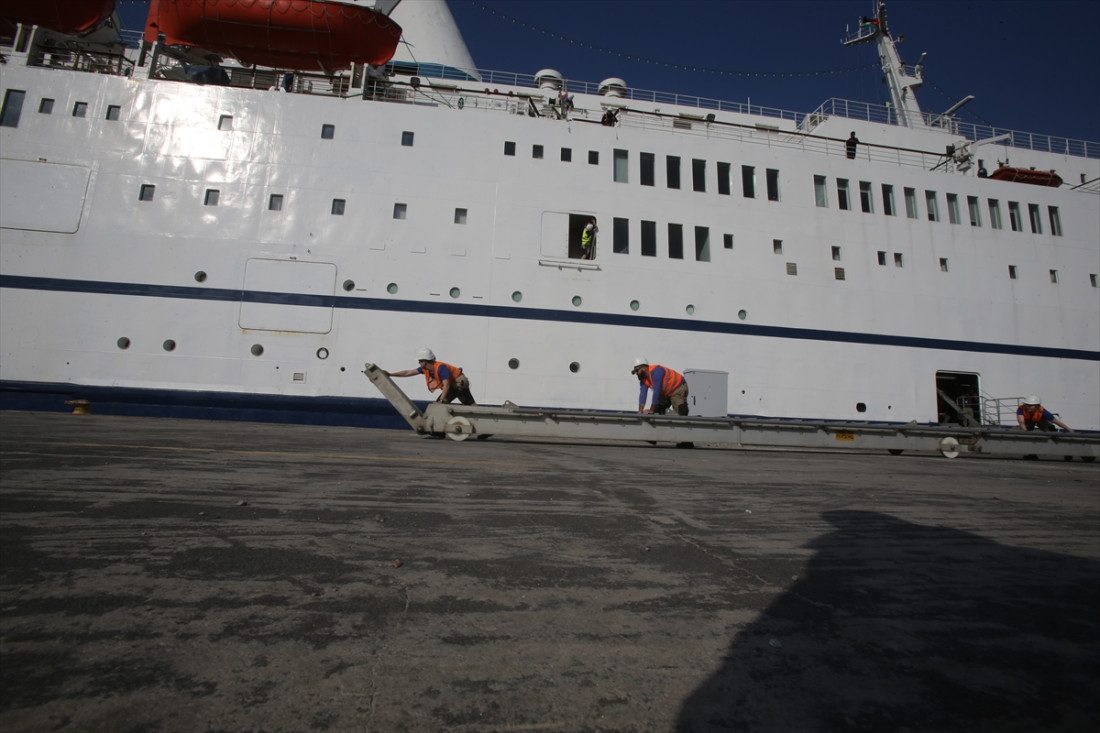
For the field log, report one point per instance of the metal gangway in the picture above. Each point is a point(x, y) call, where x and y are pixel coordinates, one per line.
point(459, 422)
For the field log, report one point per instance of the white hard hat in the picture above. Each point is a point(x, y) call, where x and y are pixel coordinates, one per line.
point(639, 362)
point(1032, 400)
point(425, 354)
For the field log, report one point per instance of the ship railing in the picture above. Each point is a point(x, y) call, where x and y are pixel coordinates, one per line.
point(1000, 410)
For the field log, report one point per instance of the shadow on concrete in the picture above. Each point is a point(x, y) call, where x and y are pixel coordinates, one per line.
point(901, 626)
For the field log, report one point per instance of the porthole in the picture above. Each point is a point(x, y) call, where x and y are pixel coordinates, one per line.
point(123, 343)
point(635, 305)
point(257, 349)
point(513, 363)
point(574, 367)
point(860, 407)
point(169, 345)
point(200, 277)
point(742, 314)
point(577, 300)
point(517, 296)
point(391, 288)
point(455, 292)
point(322, 353)
point(690, 310)
point(349, 285)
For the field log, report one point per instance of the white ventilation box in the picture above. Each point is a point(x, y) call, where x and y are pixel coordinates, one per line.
point(708, 392)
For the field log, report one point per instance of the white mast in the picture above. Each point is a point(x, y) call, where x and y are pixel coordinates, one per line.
point(902, 80)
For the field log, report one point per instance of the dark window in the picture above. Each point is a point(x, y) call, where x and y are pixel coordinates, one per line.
point(698, 174)
point(882, 258)
point(113, 111)
point(275, 202)
point(225, 122)
point(621, 234)
point(620, 166)
point(727, 241)
point(702, 244)
point(842, 193)
point(536, 151)
point(338, 207)
point(648, 161)
point(80, 109)
point(777, 246)
point(649, 239)
point(406, 139)
point(328, 132)
point(888, 199)
point(676, 241)
point(509, 147)
point(146, 192)
point(593, 157)
point(866, 200)
point(211, 197)
point(724, 179)
point(566, 154)
point(45, 106)
point(748, 181)
point(12, 108)
point(838, 273)
point(773, 184)
point(672, 171)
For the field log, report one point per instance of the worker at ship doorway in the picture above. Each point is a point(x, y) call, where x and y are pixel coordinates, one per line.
point(588, 240)
point(670, 389)
point(1031, 415)
point(850, 144)
point(610, 118)
point(447, 378)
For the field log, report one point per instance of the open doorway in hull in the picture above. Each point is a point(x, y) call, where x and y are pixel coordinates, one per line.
point(958, 398)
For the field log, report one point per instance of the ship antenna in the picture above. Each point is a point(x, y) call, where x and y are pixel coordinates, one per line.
point(903, 80)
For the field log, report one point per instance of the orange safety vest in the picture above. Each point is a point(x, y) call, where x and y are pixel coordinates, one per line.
point(431, 374)
point(1032, 416)
point(673, 380)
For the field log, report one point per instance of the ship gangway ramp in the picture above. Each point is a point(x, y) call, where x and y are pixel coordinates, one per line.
point(460, 422)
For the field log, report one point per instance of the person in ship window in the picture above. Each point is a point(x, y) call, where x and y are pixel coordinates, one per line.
point(670, 389)
point(1031, 415)
point(565, 104)
point(850, 145)
point(447, 378)
point(588, 240)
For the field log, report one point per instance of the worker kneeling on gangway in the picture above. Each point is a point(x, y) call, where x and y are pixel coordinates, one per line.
point(670, 389)
point(447, 378)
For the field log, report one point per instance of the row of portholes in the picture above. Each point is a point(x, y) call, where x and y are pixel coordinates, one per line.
point(256, 350)
point(574, 366)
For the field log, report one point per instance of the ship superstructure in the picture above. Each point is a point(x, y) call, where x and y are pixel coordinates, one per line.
point(183, 231)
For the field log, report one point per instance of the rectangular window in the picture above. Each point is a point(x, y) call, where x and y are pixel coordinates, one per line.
point(509, 147)
point(888, 200)
point(882, 258)
point(211, 197)
point(911, 203)
point(80, 109)
point(702, 244)
point(593, 157)
point(994, 213)
point(400, 211)
point(943, 264)
point(1036, 218)
point(1014, 216)
point(407, 137)
point(866, 198)
point(792, 268)
point(675, 241)
point(275, 202)
point(953, 209)
point(672, 171)
point(748, 181)
point(898, 260)
point(1012, 272)
point(113, 112)
point(836, 253)
point(698, 174)
point(777, 246)
point(974, 210)
point(460, 216)
point(771, 177)
point(838, 273)
point(1092, 279)
point(821, 192)
point(536, 152)
point(648, 161)
point(338, 207)
point(842, 193)
point(727, 241)
point(45, 106)
point(225, 123)
point(12, 108)
point(649, 239)
point(328, 132)
point(146, 192)
point(620, 232)
point(933, 205)
point(1055, 221)
point(621, 164)
point(724, 179)
point(1054, 276)
point(566, 155)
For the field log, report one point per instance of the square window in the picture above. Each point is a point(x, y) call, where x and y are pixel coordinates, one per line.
point(836, 253)
point(406, 139)
point(509, 147)
point(838, 273)
point(80, 109)
point(225, 123)
point(275, 202)
point(146, 193)
point(328, 132)
point(460, 216)
point(566, 154)
point(777, 246)
point(113, 111)
point(881, 257)
point(792, 268)
point(45, 106)
point(898, 260)
point(338, 207)
point(536, 151)
point(727, 241)
point(211, 197)
point(943, 264)
point(400, 211)
point(593, 157)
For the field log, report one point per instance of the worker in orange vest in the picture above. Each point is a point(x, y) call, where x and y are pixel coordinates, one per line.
point(1031, 415)
point(447, 378)
point(670, 389)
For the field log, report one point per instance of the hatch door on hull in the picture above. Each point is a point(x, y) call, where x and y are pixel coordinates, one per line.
point(41, 196)
point(288, 295)
point(561, 234)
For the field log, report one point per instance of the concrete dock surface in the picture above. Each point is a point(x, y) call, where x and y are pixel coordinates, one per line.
point(183, 575)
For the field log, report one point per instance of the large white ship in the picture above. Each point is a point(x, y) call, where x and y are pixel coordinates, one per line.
point(230, 225)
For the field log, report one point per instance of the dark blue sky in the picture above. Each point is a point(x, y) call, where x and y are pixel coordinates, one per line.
point(1032, 66)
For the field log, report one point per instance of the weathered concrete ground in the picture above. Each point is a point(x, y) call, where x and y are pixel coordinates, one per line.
point(187, 575)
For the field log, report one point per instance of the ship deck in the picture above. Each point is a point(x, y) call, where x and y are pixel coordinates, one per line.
point(182, 574)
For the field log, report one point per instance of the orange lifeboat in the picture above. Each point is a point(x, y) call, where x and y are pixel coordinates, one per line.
point(1026, 175)
point(65, 16)
point(306, 35)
